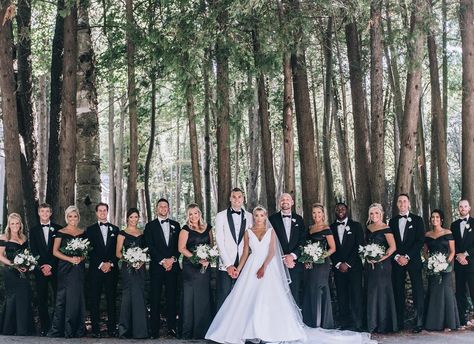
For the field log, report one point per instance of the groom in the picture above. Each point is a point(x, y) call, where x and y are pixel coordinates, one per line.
point(230, 228)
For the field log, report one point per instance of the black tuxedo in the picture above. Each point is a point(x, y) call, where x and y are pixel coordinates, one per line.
point(349, 284)
point(102, 253)
point(464, 273)
point(291, 245)
point(159, 250)
point(45, 252)
point(411, 245)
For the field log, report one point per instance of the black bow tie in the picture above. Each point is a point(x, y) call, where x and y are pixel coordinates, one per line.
point(340, 223)
point(287, 216)
point(232, 211)
point(45, 226)
point(465, 219)
point(163, 221)
point(404, 216)
point(103, 224)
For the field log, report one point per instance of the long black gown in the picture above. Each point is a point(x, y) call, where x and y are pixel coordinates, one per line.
point(196, 290)
point(17, 315)
point(317, 308)
point(441, 307)
point(133, 320)
point(381, 312)
point(70, 309)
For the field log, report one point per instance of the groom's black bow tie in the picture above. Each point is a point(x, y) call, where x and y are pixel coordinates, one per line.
point(232, 211)
point(465, 219)
point(45, 226)
point(166, 220)
point(103, 224)
point(340, 223)
point(404, 216)
point(288, 216)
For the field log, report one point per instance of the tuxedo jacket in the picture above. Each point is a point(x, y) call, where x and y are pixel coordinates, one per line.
point(297, 234)
point(38, 244)
point(100, 251)
point(413, 238)
point(230, 245)
point(348, 252)
point(157, 247)
point(464, 244)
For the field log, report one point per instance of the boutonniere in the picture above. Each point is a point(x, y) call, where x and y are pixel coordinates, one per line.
point(51, 229)
point(348, 230)
point(467, 226)
point(293, 220)
point(409, 219)
point(410, 226)
point(172, 227)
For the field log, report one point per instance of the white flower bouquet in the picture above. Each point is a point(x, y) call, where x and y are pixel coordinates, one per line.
point(312, 253)
point(371, 252)
point(205, 252)
point(25, 260)
point(438, 263)
point(135, 256)
point(77, 247)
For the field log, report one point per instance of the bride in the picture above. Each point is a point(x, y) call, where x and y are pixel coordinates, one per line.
point(260, 307)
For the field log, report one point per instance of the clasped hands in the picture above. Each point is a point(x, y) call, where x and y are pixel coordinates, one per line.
point(168, 263)
point(402, 260)
point(46, 270)
point(76, 260)
point(106, 267)
point(461, 258)
point(289, 261)
point(232, 272)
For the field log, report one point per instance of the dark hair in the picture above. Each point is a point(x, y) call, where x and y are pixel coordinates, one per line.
point(162, 200)
point(403, 194)
point(45, 205)
point(343, 204)
point(132, 211)
point(101, 204)
point(440, 212)
point(237, 190)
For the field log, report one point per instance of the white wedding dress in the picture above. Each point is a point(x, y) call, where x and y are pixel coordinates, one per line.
point(264, 309)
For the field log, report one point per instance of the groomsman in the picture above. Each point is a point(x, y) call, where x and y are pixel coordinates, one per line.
point(409, 233)
point(230, 228)
point(291, 232)
point(347, 267)
point(103, 269)
point(161, 236)
point(41, 244)
point(464, 264)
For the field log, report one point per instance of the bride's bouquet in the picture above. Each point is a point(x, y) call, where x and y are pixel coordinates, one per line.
point(25, 260)
point(135, 256)
point(206, 252)
point(312, 253)
point(371, 253)
point(77, 247)
point(438, 263)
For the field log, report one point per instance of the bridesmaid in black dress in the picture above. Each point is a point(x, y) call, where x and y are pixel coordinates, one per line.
point(317, 309)
point(196, 285)
point(381, 312)
point(441, 311)
point(133, 320)
point(17, 316)
point(70, 309)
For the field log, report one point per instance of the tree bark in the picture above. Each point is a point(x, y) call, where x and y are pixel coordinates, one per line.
point(207, 136)
point(52, 188)
point(14, 185)
point(43, 138)
point(88, 188)
point(67, 140)
point(253, 148)
point(377, 169)
point(111, 144)
point(132, 192)
point(149, 156)
point(361, 131)
point(466, 25)
point(119, 215)
point(412, 97)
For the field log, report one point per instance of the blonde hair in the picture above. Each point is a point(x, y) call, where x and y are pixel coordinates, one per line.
point(72, 209)
point(377, 206)
point(323, 208)
point(8, 231)
point(201, 224)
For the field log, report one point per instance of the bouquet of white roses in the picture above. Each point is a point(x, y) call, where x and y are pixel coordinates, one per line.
point(77, 247)
point(371, 252)
point(205, 252)
point(26, 260)
point(438, 263)
point(135, 256)
point(312, 253)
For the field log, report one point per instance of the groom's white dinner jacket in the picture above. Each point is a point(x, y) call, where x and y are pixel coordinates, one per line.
point(230, 239)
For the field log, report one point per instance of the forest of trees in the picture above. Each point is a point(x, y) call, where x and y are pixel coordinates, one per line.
point(329, 100)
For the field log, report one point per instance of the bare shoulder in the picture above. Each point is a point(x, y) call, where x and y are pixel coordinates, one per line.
point(3, 237)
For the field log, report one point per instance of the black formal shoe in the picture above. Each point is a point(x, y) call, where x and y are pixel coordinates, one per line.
point(172, 333)
point(96, 334)
point(112, 334)
point(416, 329)
point(44, 333)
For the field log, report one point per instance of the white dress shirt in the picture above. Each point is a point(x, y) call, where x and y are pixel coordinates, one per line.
point(104, 229)
point(463, 224)
point(46, 231)
point(287, 224)
point(341, 228)
point(166, 229)
point(402, 223)
point(237, 222)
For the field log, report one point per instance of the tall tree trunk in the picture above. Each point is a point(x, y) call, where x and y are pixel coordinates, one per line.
point(422, 173)
point(267, 150)
point(444, 11)
point(119, 215)
point(68, 142)
point(111, 144)
point(361, 131)
point(43, 138)
point(26, 119)
point(438, 141)
point(224, 178)
point(149, 156)
point(377, 168)
point(207, 135)
point(88, 189)
point(132, 194)
point(14, 185)
point(412, 98)
point(253, 148)
point(52, 188)
point(466, 25)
